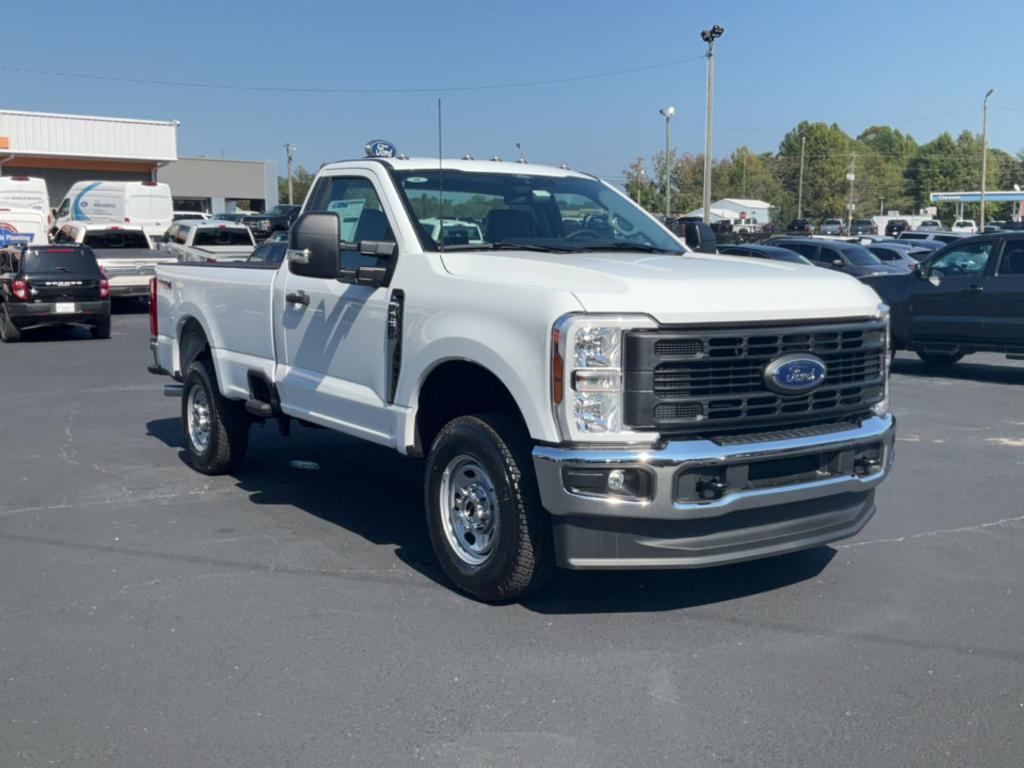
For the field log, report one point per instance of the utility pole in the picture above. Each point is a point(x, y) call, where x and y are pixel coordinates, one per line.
point(745, 154)
point(667, 112)
point(984, 157)
point(289, 150)
point(709, 36)
point(852, 175)
point(800, 186)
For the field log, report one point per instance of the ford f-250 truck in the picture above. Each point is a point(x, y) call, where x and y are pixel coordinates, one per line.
point(589, 395)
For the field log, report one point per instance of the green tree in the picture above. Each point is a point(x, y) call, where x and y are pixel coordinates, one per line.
point(302, 180)
point(828, 154)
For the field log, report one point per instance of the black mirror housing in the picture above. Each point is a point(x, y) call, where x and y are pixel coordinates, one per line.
point(314, 245)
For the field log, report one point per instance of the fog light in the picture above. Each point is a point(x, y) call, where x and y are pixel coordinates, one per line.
point(616, 480)
point(633, 484)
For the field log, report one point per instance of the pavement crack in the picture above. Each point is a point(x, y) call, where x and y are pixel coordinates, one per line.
point(936, 532)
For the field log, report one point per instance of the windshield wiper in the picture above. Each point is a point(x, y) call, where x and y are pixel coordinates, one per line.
point(510, 245)
point(624, 246)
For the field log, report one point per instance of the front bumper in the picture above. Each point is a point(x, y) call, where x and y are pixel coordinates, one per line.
point(785, 493)
point(37, 314)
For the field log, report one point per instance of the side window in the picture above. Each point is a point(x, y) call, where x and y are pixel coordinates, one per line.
point(807, 250)
point(356, 203)
point(182, 235)
point(65, 206)
point(963, 261)
point(1012, 262)
point(5, 262)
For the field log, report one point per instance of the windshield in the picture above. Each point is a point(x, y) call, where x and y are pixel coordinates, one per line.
point(538, 212)
point(860, 257)
point(113, 238)
point(280, 210)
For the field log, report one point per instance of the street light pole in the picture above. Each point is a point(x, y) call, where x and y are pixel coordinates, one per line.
point(984, 157)
point(668, 112)
point(709, 36)
point(852, 176)
point(800, 185)
point(289, 150)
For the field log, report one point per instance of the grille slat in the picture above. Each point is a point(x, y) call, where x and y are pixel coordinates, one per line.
point(708, 380)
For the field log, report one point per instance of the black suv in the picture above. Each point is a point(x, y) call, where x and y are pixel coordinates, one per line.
point(845, 257)
point(278, 219)
point(801, 226)
point(895, 226)
point(49, 285)
point(967, 297)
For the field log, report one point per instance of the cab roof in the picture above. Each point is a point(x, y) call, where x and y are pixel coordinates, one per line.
point(464, 166)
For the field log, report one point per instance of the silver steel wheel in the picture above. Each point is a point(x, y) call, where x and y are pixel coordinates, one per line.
point(469, 510)
point(198, 411)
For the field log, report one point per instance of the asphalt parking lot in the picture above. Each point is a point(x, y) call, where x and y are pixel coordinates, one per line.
point(293, 616)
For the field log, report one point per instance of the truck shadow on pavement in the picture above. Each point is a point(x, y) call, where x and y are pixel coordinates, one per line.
point(378, 495)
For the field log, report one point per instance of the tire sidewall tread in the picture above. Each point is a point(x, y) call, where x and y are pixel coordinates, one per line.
point(523, 557)
point(229, 427)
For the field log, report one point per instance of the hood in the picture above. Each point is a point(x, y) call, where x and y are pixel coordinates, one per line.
point(689, 288)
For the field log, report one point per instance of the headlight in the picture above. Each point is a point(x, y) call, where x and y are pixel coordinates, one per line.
point(587, 382)
point(884, 405)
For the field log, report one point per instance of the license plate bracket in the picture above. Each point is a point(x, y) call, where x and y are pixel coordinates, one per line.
point(64, 308)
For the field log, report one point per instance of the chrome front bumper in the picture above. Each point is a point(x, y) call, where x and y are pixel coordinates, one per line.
point(750, 519)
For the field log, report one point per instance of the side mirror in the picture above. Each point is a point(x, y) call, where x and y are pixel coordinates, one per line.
point(314, 245)
point(838, 263)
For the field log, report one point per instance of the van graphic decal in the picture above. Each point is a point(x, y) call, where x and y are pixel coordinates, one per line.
point(9, 235)
point(77, 213)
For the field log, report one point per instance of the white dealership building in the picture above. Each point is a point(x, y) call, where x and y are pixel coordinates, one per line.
point(64, 149)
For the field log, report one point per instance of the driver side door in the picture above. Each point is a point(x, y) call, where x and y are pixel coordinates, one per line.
point(949, 305)
point(332, 337)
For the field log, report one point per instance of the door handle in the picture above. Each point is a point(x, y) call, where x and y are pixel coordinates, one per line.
point(299, 297)
point(974, 289)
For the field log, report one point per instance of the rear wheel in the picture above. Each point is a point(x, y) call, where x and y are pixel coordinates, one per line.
point(216, 429)
point(102, 328)
point(487, 526)
point(9, 332)
point(940, 358)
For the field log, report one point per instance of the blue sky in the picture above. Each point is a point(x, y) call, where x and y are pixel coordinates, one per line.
point(921, 68)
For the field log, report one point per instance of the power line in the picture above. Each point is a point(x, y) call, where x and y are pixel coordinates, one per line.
point(365, 91)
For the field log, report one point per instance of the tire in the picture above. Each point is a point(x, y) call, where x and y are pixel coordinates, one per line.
point(9, 332)
point(486, 458)
point(225, 426)
point(939, 358)
point(102, 328)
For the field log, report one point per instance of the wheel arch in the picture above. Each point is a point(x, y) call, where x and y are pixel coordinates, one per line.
point(457, 387)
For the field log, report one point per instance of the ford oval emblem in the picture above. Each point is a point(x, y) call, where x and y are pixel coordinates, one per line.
point(795, 374)
point(380, 148)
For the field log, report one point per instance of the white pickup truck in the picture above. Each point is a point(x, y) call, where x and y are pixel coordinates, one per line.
point(195, 240)
point(585, 395)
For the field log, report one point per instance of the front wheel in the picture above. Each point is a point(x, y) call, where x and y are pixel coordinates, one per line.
point(487, 526)
point(216, 429)
point(940, 358)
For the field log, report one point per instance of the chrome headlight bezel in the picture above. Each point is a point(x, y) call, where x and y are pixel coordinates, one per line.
point(884, 405)
point(588, 380)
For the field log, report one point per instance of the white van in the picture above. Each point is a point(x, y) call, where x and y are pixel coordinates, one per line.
point(146, 203)
point(25, 192)
point(20, 226)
